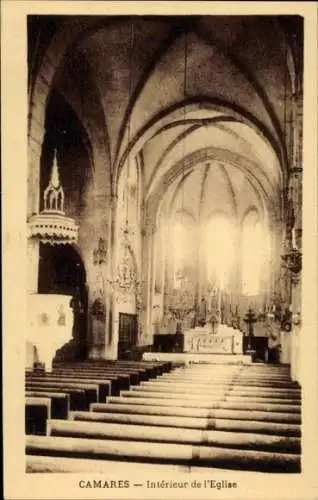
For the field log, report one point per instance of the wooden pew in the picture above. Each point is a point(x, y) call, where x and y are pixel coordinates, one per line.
point(37, 412)
point(221, 375)
point(203, 402)
point(60, 402)
point(135, 391)
point(124, 378)
point(197, 384)
point(108, 384)
point(210, 389)
point(279, 429)
point(47, 464)
point(135, 376)
point(144, 372)
point(249, 396)
point(238, 440)
point(97, 390)
point(159, 366)
point(237, 380)
point(90, 390)
point(143, 451)
point(176, 411)
point(77, 397)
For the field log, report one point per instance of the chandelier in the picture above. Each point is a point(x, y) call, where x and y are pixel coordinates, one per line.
point(292, 259)
point(125, 280)
point(51, 225)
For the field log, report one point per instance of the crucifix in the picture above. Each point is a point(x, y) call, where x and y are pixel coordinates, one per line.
point(214, 322)
point(250, 319)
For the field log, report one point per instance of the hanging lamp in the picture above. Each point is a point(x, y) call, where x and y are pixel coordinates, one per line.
point(292, 256)
point(125, 280)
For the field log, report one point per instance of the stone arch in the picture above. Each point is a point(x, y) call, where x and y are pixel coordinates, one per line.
point(267, 201)
point(231, 111)
point(41, 84)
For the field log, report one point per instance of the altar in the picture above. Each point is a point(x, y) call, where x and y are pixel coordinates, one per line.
point(226, 340)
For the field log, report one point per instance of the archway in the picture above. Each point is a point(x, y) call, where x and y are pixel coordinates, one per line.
point(62, 271)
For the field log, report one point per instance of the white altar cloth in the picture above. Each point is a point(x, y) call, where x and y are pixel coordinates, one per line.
point(227, 340)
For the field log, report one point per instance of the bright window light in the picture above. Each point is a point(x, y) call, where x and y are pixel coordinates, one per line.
point(219, 248)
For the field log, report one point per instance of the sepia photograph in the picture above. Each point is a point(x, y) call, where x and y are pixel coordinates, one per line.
point(164, 248)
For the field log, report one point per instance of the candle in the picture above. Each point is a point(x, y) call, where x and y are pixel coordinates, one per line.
point(294, 238)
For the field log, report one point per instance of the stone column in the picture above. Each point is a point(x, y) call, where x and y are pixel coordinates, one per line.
point(164, 246)
point(34, 157)
point(296, 331)
point(111, 334)
point(236, 282)
point(148, 278)
point(296, 188)
point(201, 268)
point(101, 333)
point(295, 192)
point(35, 141)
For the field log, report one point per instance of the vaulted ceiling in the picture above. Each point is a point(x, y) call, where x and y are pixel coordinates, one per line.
point(206, 96)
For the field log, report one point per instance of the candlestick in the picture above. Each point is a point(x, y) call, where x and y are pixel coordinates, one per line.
point(294, 238)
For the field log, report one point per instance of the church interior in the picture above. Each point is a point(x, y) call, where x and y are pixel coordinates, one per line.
point(164, 243)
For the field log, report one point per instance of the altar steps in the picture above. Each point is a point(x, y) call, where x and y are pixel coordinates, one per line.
point(223, 417)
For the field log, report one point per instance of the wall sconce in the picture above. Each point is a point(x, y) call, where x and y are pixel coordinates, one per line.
point(296, 319)
point(100, 253)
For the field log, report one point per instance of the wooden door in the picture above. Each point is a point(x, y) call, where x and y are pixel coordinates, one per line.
point(128, 331)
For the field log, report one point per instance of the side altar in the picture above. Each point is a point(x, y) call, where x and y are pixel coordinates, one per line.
point(223, 340)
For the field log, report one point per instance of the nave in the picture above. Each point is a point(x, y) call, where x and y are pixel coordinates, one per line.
point(164, 219)
point(215, 416)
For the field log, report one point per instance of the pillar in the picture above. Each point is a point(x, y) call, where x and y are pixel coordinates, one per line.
point(148, 279)
point(35, 140)
point(36, 136)
point(296, 331)
point(100, 335)
point(111, 332)
point(295, 190)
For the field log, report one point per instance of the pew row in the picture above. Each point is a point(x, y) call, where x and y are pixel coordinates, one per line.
point(128, 397)
point(77, 398)
point(100, 430)
point(96, 388)
point(184, 422)
point(143, 451)
point(48, 464)
point(197, 398)
point(90, 390)
point(220, 386)
point(37, 412)
point(177, 411)
point(60, 402)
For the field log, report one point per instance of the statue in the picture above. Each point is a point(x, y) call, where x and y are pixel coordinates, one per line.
point(214, 309)
point(202, 313)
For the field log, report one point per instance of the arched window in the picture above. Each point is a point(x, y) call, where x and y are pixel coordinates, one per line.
point(183, 244)
point(128, 197)
point(254, 253)
point(178, 248)
point(160, 253)
point(219, 249)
